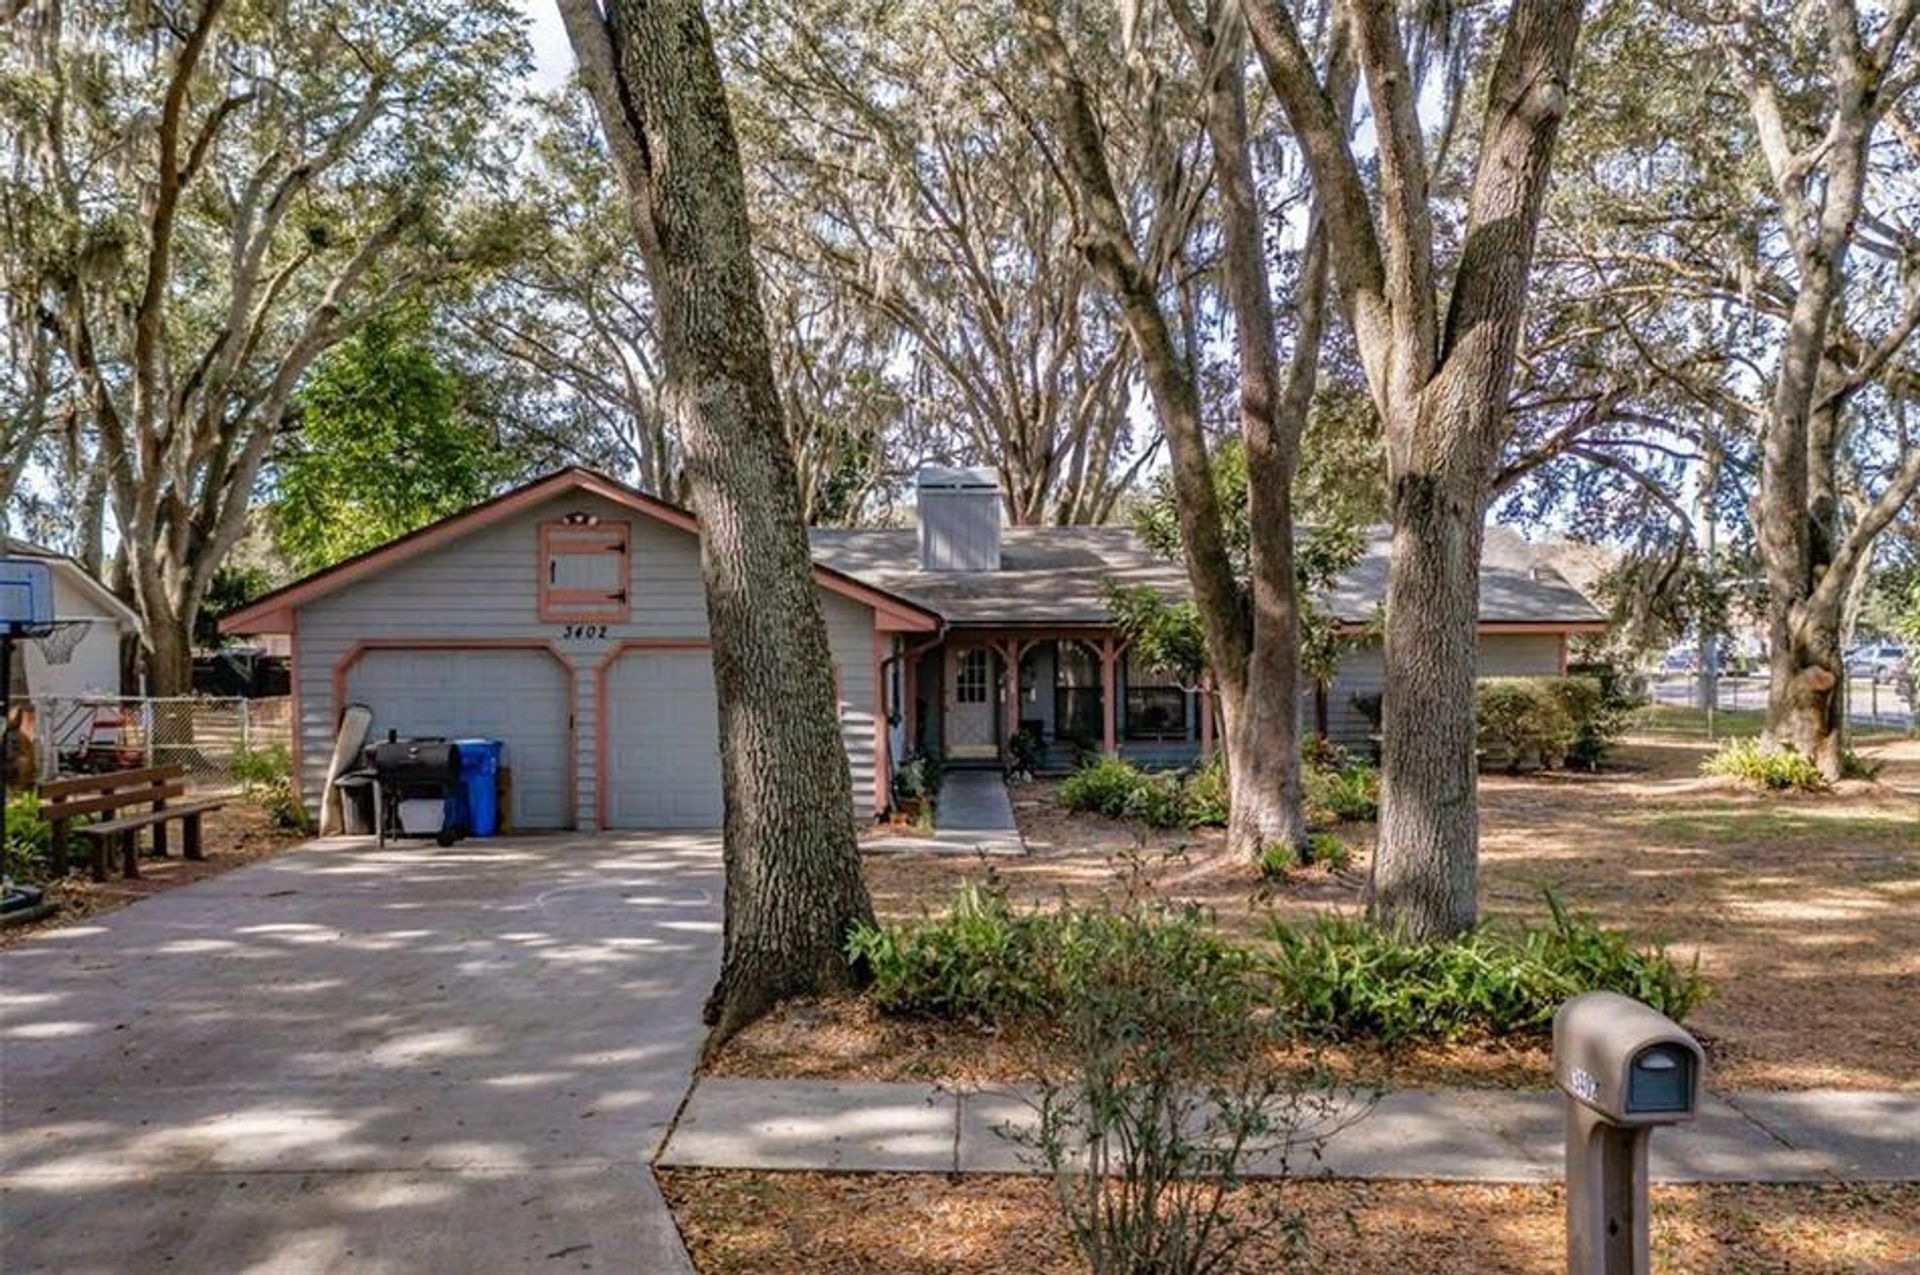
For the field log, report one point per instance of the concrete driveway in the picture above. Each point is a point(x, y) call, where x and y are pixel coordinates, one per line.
point(409, 1060)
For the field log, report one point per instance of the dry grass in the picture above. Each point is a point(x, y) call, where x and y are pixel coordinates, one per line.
point(845, 1224)
point(237, 834)
point(1804, 911)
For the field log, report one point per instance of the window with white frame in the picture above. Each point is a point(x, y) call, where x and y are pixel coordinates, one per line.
point(971, 678)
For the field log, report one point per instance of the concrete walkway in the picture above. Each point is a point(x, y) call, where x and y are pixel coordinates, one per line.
point(1446, 1135)
point(342, 1059)
point(974, 815)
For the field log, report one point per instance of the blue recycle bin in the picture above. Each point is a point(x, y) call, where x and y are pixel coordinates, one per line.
point(479, 778)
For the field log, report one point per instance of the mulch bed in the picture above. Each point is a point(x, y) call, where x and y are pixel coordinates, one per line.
point(1804, 911)
point(738, 1223)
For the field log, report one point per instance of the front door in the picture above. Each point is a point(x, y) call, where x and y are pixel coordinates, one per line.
point(971, 704)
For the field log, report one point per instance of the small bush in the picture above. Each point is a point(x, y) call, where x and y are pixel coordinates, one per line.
point(1103, 786)
point(1156, 802)
point(1347, 795)
point(1162, 1086)
point(985, 960)
point(29, 839)
point(1858, 766)
point(1348, 979)
point(918, 776)
point(1776, 767)
point(266, 777)
point(1521, 721)
point(1328, 851)
point(1203, 799)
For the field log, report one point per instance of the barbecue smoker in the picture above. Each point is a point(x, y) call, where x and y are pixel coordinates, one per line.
point(416, 789)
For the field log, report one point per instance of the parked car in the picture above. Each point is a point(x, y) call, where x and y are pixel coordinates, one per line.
point(1678, 660)
point(1879, 660)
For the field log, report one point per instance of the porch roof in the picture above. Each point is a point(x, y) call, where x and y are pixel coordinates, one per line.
point(1056, 576)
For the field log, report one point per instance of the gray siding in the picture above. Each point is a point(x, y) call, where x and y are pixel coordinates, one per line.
point(1362, 673)
point(484, 587)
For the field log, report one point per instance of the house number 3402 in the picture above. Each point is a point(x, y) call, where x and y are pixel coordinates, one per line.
point(583, 632)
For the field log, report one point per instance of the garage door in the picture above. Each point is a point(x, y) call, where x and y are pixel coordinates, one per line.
point(663, 741)
point(519, 697)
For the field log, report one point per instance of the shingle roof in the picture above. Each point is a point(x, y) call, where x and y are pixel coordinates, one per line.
point(1057, 576)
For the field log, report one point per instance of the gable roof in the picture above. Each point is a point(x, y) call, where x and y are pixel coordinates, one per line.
point(78, 577)
point(272, 612)
point(1054, 576)
point(1058, 576)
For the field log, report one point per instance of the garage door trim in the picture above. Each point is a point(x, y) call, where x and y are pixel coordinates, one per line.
point(602, 747)
point(360, 650)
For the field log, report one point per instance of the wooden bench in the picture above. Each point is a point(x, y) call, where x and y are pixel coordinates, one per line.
point(156, 788)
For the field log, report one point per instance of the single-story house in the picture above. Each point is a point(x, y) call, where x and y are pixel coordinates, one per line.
point(567, 618)
point(91, 670)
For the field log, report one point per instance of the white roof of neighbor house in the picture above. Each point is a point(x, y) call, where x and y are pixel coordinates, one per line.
point(1058, 575)
point(76, 577)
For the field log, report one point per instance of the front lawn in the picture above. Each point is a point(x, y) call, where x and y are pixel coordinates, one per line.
point(1804, 911)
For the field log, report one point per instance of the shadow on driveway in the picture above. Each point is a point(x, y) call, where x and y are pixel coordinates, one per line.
point(404, 1060)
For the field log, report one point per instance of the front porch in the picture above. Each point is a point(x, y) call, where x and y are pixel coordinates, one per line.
point(1076, 690)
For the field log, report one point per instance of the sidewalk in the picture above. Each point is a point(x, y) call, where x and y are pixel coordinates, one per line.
point(974, 815)
point(1465, 1135)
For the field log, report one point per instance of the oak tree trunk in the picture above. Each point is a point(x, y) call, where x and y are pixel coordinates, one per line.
point(793, 884)
point(1426, 867)
point(1441, 388)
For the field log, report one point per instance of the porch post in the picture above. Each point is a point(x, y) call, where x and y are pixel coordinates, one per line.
point(1109, 689)
point(1206, 717)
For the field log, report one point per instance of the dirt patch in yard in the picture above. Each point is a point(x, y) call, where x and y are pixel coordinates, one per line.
point(1804, 911)
point(846, 1224)
point(237, 834)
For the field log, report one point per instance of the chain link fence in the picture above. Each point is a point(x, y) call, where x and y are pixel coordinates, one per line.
point(1872, 703)
point(203, 734)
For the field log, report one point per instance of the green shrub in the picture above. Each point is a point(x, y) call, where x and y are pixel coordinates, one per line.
point(918, 776)
point(266, 776)
point(1520, 721)
point(29, 839)
point(986, 960)
point(1858, 766)
point(1103, 786)
point(1347, 795)
point(1161, 1084)
point(1203, 798)
point(1328, 851)
point(1348, 979)
point(1776, 767)
point(1155, 801)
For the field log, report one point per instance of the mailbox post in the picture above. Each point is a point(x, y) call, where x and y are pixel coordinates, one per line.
point(1625, 1069)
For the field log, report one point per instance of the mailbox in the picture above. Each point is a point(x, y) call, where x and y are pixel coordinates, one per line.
point(1625, 1069)
point(1630, 1063)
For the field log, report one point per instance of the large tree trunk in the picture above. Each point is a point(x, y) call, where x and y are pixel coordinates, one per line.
point(1441, 389)
point(1426, 866)
point(793, 884)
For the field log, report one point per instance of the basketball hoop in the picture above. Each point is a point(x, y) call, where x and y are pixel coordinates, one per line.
point(59, 641)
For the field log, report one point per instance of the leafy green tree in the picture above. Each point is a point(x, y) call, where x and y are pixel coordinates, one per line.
point(383, 448)
point(201, 198)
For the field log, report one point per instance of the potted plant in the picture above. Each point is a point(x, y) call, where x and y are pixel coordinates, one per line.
point(916, 782)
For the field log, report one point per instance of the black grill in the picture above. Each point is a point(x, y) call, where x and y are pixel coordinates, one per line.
point(404, 762)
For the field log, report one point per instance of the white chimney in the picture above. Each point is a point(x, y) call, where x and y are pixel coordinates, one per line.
point(959, 519)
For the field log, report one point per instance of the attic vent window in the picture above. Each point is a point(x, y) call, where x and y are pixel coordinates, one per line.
point(583, 571)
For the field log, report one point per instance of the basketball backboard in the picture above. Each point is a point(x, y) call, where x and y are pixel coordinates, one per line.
point(26, 597)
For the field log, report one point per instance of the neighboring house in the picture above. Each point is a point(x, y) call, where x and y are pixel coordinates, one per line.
point(92, 671)
point(567, 618)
